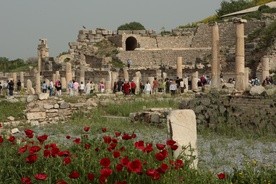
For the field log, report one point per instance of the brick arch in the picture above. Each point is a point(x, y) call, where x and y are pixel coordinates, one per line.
point(131, 43)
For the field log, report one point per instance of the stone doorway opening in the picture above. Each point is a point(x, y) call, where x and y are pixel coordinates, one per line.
point(131, 43)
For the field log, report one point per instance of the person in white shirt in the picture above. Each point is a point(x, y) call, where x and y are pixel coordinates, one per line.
point(82, 86)
point(173, 87)
point(147, 88)
point(88, 88)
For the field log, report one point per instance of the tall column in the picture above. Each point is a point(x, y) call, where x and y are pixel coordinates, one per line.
point(82, 74)
point(179, 67)
point(14, 78)
point(37, 83)
point(195, 80)
point(39, 61)
point(108, 82)
point(54, 78)
point(136, 80)
point(265, 67)
point(246, 77)
point(158, 74)
point(69, 76)
point(126, 76)
point(165, 75)
point(57, 75)
point(22, 79)
point(215, 66)
point(63, 83)
point(240, 62)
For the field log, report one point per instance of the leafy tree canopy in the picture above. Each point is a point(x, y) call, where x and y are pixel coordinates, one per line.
point(131, 26)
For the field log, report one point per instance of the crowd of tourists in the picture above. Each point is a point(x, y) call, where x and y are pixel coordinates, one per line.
point(8, 87)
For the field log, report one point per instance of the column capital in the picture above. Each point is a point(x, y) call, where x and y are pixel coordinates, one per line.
point(239, 20)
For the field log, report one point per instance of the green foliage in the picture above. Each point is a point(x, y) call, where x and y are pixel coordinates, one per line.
point(233, 6)
point(190, 25)
point(209, 19)
point(7, 65)
point(131, 26)
point(11, 109)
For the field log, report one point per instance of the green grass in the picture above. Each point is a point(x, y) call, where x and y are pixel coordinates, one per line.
point(11, 109)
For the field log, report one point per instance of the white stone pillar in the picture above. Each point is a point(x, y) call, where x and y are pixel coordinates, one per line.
point(22, 79)
point(30, 89)
point(126, 76)
point(14, 78)
point(179, 67)
point(39, 61)
point(54, 78)
point(69, 76)
point(265, 67)
point(215, 66)
point(246, 77)
point(114, 78)
point(136, 80)
point(158, 74)
point(186, 82)
point(63, 83)
point(57, 75)
point(151, 79)
point(195, 80)
point(240, 52)
point(108, 82)
point(37, 83)
point(165, 75)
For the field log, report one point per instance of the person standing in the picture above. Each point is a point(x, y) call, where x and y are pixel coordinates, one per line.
point(18, 85)
point(88, 88)
point(11, 87)
point(1, 87)
point(173, 88)
point(51, 88)
point(133, 87)
point(44, 87)
point(76, 87)
point(155, 86)
point(147, 88)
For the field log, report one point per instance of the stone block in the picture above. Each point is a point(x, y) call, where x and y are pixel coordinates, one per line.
point(64, 105)
point(257, 90)
point(31, 98)
point(182, 129)
point(36, 115)
point(43, 96)
point(48, 106)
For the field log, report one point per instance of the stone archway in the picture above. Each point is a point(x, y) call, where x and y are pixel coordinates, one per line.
point(131, 43)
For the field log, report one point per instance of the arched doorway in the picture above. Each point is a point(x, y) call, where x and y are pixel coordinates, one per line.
point(131, 43)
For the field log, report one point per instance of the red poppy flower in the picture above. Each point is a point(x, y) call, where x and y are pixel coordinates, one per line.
point(174, 147)
point(90, 176)
point(126, 136)
point(106, 172)
point(112, 146)
point(74, 175)
point(26, 180)
point(105, 162)
point(42, 138)
point(163, 168)
point(153, 174)
point(41, 176)
point(31, 158)
point(124, 161)
point(148, 148)
point(160, 146)
point(1, 139)
point(64, 153)
point(221, 176)
point(77, 141)
point(133, 135)
point(23, 149)
point(139, 145)
point(107, 139)
point(178, 164)
point(102, 179)
point(29, 133)
point(170, 142)
point(104, 129)
point(87, 146)
point(46, 153)
point(117, 134)
point(66, 160)
point(11, 139)
point(68, 136)
point(135, 166)
point(116, 154)
point(86, 129)
point(34, 149)
point(61, 182)
point(159, 156)
point(119, 167)
point(55, 152)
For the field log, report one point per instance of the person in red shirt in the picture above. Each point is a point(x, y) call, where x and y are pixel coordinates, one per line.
point(126, 88)
point(155, 86)
point(132, 87)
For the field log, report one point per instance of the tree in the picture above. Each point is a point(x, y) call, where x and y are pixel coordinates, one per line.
point(131, 26)
point(233, 6)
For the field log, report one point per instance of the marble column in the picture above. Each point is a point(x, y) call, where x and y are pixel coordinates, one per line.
point(179, 67)
point(14, 78)
point(195, 80)
point(165, 75)
point(240, 52)
point(30, 89)
point(37, 83)
point(126, 76)
point(69, 76)
point(63, 83)
point(54, 78)
point(158, 74)
point(246, 77)
point(215, 66)
point(57, 75)
point(39, 61)
point(114, 78)
point(186, 82)
point(265, 67)
point(108, 82)
point(22, 79)
point(136, 80)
